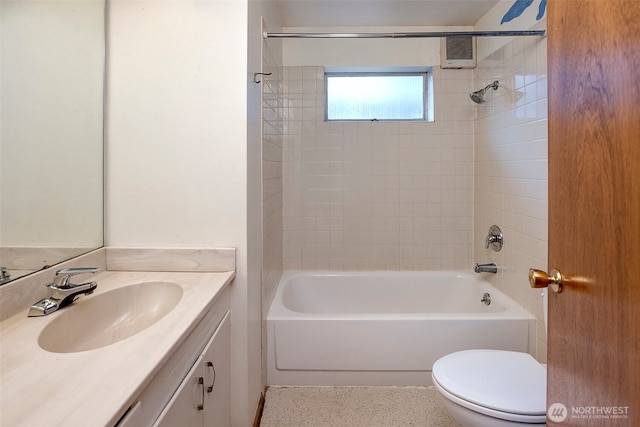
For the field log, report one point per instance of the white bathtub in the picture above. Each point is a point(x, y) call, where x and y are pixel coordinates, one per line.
point(384, 328)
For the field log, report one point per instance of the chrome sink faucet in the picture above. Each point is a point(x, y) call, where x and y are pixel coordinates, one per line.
point(65, 292)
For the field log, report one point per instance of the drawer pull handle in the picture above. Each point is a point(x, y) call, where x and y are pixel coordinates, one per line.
point(201, 382)
point(210, 388)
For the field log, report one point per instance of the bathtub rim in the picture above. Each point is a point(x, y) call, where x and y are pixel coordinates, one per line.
point(278, 310)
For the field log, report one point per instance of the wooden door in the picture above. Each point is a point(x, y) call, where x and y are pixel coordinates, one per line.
point(594, 212)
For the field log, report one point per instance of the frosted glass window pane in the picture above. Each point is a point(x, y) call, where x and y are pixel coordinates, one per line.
point(376, 97)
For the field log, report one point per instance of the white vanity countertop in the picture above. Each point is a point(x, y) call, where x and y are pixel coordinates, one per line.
point(94, 387)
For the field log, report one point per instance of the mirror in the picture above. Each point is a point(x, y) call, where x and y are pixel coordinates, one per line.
point(51, 132)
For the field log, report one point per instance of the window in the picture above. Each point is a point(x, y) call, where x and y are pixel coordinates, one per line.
point(375, 95)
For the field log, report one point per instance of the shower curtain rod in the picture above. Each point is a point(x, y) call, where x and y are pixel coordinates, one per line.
point(404, 35)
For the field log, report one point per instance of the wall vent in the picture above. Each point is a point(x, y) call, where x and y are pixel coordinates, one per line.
point(458, 52)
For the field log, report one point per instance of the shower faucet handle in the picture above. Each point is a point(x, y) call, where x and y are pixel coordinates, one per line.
point(494, 238)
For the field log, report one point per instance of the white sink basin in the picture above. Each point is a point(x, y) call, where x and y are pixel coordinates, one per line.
point(100, 320)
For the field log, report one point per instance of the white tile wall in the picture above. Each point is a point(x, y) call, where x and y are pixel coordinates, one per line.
point(377, 195)
point(272, 195)
point(511, 169)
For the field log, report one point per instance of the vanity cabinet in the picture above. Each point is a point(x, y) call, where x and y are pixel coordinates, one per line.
point(193, 387)
point(203, 397)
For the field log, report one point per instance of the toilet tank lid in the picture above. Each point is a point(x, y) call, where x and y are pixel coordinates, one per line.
point(505, 381)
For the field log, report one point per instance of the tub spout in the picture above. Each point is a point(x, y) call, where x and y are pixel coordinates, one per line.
point(486, 268)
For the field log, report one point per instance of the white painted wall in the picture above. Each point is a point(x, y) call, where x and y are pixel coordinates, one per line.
point(182, 156)
point(176, 124)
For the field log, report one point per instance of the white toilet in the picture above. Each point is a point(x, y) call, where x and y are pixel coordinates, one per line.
point(493, 388)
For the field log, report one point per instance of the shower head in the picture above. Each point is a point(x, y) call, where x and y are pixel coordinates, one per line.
point(478, 96)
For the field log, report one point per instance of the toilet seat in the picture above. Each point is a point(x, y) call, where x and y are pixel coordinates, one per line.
point(503, 384)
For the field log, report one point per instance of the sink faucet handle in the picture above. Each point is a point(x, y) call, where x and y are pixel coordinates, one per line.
point(63, 277)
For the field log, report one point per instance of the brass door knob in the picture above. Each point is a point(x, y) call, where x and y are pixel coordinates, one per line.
point(540, 279)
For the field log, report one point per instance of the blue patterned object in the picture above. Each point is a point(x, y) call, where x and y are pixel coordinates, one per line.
point(520, 6)
point(516, 10)
point(541, 9)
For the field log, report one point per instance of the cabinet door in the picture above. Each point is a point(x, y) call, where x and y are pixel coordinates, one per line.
point(217, 376)
point(186, 407)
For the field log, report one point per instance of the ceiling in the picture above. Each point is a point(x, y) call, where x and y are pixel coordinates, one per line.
point(380, 13)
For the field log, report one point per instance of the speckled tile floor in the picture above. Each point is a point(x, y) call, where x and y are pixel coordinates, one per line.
point(355, 407)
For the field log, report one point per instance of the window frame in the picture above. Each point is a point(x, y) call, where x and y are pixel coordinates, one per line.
point(427, 89)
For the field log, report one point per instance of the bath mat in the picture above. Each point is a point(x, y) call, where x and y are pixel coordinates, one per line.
point(355, 407)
